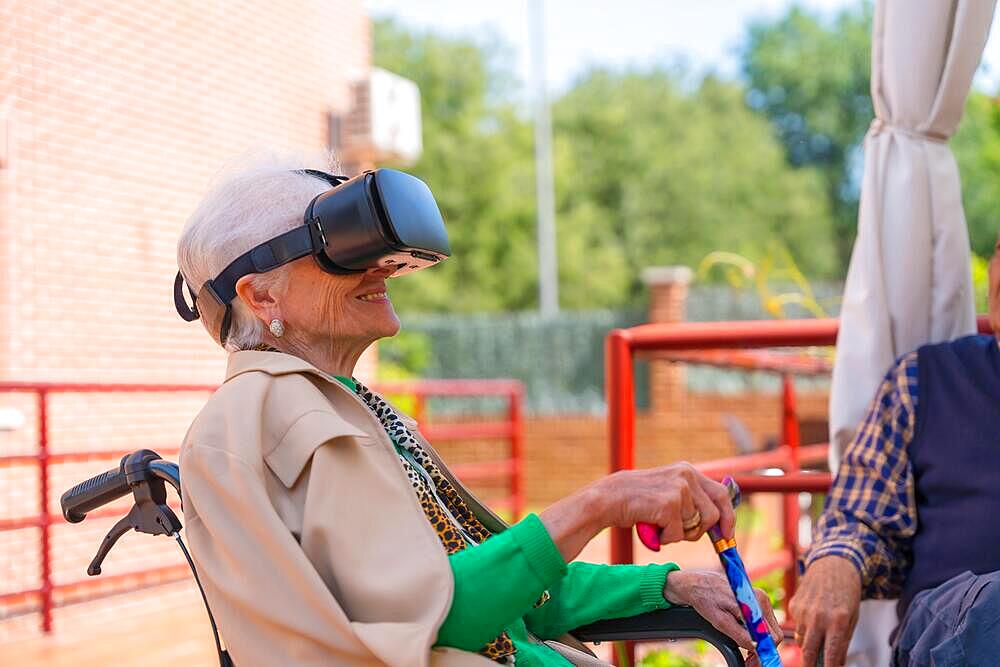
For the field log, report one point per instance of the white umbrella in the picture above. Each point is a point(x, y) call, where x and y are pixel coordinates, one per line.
point(909, 281)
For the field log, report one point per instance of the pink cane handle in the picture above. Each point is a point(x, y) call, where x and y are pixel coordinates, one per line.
point(649, 535)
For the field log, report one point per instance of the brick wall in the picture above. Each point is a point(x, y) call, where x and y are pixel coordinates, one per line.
point(114, 115)
point(563, 453)
point(117, 114)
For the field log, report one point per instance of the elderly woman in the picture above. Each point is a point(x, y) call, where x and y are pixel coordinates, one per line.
point(325, 528)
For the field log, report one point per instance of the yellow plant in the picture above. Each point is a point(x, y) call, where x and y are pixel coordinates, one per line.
point(777, 266)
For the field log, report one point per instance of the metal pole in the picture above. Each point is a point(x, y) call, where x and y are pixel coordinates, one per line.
point(620, 387)
point(43, 510)
point(516, 417)
point(548, 261)
point(621, 424)
point(419, 407)
point(791, 438)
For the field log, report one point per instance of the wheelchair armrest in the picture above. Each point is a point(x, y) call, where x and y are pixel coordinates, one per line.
point(672, 623)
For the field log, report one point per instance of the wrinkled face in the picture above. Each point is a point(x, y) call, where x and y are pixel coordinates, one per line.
point(355, 308)
point(994, 290)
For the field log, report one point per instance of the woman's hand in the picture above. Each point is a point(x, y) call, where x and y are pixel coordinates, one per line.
point(668, 497)
point(709, 593)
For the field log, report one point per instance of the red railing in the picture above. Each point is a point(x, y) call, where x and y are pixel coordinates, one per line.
point(621, 346)
point(700, 342)
point(511, 428)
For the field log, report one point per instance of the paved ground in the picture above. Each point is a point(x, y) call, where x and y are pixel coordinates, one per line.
point(160, 627)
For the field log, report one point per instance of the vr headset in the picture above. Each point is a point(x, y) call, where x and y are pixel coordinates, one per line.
point(382, 218)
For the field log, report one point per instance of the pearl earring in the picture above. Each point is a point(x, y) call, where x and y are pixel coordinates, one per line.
point(277, 328)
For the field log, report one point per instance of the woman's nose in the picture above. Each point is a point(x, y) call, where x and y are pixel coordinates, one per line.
point(381, 271)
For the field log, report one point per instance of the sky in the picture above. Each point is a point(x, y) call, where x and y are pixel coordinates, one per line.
point(579, 33)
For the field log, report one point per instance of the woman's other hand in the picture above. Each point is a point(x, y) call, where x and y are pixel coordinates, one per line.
point(709, 593)
point(669, 497)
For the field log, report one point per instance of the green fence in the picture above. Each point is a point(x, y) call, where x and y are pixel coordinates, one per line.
point(561, 359)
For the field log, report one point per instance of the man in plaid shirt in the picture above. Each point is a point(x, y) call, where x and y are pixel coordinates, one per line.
point(913, 509)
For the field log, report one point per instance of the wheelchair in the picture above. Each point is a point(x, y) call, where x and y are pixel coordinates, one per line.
point(145, 475)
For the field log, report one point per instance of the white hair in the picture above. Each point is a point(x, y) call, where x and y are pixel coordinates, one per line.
point(243, 208)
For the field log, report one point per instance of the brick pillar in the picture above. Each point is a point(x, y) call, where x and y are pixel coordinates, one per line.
point(668, 289)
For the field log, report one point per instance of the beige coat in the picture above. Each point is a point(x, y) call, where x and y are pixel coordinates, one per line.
point(307, 535)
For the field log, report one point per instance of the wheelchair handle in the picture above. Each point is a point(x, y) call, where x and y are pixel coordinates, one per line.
point(106, 487)
point(92, 493)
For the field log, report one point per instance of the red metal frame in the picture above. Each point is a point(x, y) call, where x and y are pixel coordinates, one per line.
point(510, 429)
point(511, 468)
point(700, 342)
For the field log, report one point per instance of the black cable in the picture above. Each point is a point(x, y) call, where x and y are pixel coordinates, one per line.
point(224, 659)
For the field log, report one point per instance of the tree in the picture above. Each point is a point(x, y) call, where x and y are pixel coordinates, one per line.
point(651, 172)
point(810, 77)
point(977, 150)
point(478, 161)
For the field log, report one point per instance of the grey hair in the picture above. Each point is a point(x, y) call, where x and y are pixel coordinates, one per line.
point(244, 208)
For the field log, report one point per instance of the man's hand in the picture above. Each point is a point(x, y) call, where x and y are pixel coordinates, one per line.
point(825, 609)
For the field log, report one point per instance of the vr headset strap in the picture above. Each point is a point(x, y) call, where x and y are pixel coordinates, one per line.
point(323, 176)
point(187, 313)
point(299, 242)
point(308, 239)
point(266, 257)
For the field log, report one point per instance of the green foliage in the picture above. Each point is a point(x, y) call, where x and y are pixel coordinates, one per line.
point(667, 658)
point(773, 583)
point(977, 149)
point(405, 355)
point(657, 166)
point(777, 267)
point(652, 173)
point(649, 170)
point(478, 160)
point(811, 78)
point(981, 283)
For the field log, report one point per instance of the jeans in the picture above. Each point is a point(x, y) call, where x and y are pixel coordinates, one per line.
point(956, 623)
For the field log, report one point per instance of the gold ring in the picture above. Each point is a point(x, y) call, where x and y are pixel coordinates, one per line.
point(692, 522)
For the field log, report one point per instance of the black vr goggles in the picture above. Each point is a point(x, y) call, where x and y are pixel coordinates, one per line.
point(381, 218)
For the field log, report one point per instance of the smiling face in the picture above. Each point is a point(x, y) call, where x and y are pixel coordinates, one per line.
point(351, 309)
point(327, 319)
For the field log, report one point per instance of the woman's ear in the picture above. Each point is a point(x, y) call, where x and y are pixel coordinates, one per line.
point(261, 302)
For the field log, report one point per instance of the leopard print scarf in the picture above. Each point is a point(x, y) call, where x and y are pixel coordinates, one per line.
point(456, 525)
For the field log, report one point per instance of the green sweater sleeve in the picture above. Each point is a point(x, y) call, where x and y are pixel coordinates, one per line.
point(591, 592)
point(498, 581)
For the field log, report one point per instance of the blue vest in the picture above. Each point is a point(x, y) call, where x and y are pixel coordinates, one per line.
point(955, 457)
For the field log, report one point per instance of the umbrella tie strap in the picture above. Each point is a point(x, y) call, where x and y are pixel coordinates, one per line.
point(879, 126)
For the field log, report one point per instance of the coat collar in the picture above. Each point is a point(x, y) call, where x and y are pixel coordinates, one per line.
point(280, 363)
point(272, 363)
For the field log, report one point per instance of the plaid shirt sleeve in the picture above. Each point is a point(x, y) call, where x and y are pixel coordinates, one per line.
point(870, 515)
